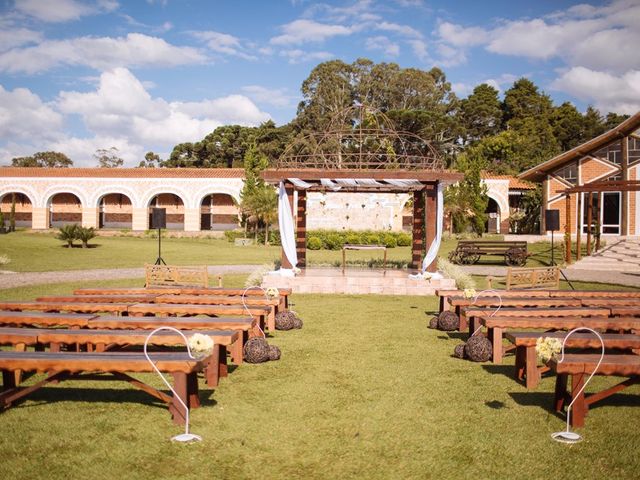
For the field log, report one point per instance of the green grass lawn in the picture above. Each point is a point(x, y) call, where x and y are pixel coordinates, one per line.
point(364, 390)
point(39, 252)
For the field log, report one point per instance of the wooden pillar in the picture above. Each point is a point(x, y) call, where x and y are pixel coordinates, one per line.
point(301, 228)
point(543, 206)
point(578, 227)
point(431, 226)
point(417, 249)
point(567, 230)
point(624, 199)
point(589, 220)
point(289, 189)
point(598, 224)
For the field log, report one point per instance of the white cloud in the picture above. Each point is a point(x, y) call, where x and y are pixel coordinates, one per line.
point(299, 56)
point(404, 30)
point(419, 48)
point(62, 10)
point(278, 97)
point(100, 53)
point(609, 93)
point(223, 43)
point(450, 56)
point(81, 150)
point(303, 31)
point(390, 49)
point(23, 116)
point(16, 37)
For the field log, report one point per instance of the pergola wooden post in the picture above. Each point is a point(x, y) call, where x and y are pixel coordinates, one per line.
point(578, 227)
point(567, 231)
point(431, 206)
point(301, 228)
point(418, 229)
point(289, 189)
point(589, 220)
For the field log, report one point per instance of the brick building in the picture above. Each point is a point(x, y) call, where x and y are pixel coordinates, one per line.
point(614, 155)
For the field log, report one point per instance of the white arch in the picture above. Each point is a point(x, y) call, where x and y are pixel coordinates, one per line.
point(503, 204)
point(117, 190)
point(56, 189)
point(28, 192)
point(212, 190)
point(149, 194)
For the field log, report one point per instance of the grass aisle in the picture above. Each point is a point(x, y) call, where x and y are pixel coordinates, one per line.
point(363, 391)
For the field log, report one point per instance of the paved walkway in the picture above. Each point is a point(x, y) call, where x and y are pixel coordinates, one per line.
point(12, 279)
point(631, 279)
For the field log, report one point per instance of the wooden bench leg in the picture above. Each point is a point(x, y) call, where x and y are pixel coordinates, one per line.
point(192, 391)
point(560, 395)
point(579, 408)
point(176, 409)
point(222, 362)
point(271, 320)
point(236, 349)
point(495, 335)
point(521, 362)
point(213, 369)
point(20, 347)
point(532, 371)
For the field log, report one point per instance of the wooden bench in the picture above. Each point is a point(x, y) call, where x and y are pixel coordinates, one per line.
point(349, 246)
point(538, 278)
point(228, 292)
point(468, 252)
point(444, 295)
point(73, 365)
point(527, 360)
point(496, 326)
point(580, 367)
point(75, 307)
point(120, 298)
point(176, 276)
point(43, 319)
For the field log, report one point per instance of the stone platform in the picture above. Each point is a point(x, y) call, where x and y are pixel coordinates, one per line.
point(357, 281)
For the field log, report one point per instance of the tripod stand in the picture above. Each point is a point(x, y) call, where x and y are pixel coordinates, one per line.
point(160, 260)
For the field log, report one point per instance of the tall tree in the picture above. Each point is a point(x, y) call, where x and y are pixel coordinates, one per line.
point(612, 120)
point(568, 126)
point(481, 113)
point(467, 201)
point(108, 158)
point(151, 160)
point(43, 159)
point(593, 123)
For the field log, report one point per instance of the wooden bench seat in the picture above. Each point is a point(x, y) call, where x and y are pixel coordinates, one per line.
point(120, 298)
point(527, 361)
point(73, 365)
point(496, 325)
point(75, 307)
point(580, 366)
point(468, 252)
point(44, 319)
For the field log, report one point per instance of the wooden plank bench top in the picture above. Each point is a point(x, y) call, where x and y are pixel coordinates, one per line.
point(594, 293)
point(120, 298)
point(563, 323)
point(526, 365)
point(78, 307)
point(580, 366)
point(44, 319)
point(610, 302)
point(523, 301)
point(193, 309)
point(66, 364)
point(181, 323)
point(625, 311)
point(216, 300)
point(176, 291)
point(13, 336)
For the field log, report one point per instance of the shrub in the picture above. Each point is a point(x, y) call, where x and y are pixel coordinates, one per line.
point(389, 240)
point(372, 239)
point(333, 241)
point(404, 239)
point(463, 280)
point(354, 238)
point(231, 235)
point(68, 234)
point(314, 243)
point(84, 235)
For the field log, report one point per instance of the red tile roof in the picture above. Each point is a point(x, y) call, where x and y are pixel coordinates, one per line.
point(514, 183)
point(123, 172)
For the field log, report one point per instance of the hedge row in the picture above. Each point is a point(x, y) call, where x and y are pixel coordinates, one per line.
point(335, 239)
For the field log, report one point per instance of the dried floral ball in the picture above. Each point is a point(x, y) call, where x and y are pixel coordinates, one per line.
point(458, 351)
point(285, 320)
point(297, 321)
point(478, 348)
point(256, 350)
point(433, 323)
point(274, 353)
point(448, 321)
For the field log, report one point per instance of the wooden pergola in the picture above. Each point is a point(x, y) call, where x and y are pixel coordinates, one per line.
point(591, 189)
point(421, 184)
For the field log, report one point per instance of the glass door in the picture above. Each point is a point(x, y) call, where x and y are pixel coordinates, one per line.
point(609, 218)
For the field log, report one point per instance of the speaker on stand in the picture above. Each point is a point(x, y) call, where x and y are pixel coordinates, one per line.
point(552, 222)
point(159, 221)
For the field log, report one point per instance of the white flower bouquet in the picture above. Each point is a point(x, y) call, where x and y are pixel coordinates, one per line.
point(200, 345)
point(272, 293)
point(469, 293)
point(547, 348)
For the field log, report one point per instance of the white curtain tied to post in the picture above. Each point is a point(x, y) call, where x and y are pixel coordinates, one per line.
point(287, 231)
point(435, 245)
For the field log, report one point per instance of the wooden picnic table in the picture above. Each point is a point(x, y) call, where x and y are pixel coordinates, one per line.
point(44, 319)
point(526, 366)
point(76, 307)
point(72, 365)
point(580, 366)
point(496, 325)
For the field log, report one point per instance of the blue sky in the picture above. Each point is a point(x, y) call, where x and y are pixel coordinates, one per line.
point(145, 75)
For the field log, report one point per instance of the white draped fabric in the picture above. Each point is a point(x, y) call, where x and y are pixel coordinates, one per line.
point(403, 183)
point(287, 230)
point(326, 182)
point(435, 245)
point(300, 183)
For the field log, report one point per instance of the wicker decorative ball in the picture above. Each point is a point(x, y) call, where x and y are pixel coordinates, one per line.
point(285, 320)
point(458, 351)
point(478, 348)
point(448, 321)
point(274, 353)
point(256, 350)
point(297, 321)
point(433, 323)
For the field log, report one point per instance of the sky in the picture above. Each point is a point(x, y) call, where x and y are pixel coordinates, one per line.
point(145, 75)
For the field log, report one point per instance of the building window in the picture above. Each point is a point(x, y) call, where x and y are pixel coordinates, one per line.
point(568, 173)
point(612, 153)
point(634, 149)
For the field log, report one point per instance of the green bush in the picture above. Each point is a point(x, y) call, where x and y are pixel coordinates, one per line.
point(274, 237)
point(354, 238)
point(84, 235)
point(372, 239)
point(404, 239)
point(231, 235)
point(389, 240)
point(314, 243)
point(68, 233)
point(333, 241)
